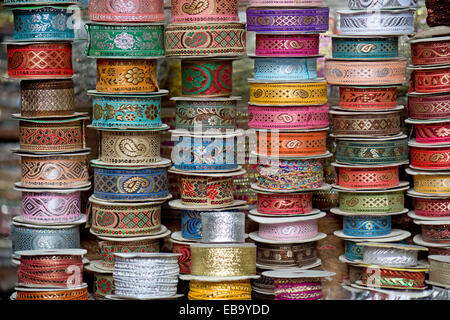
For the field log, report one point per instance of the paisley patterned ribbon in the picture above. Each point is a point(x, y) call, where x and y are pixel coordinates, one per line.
point(108, 248)
point(128, 11)
point(206, 11)
point(430, 207)
point(436, 233)
point(431, 51)
point(287, 45)
point(184, 261)
point(430, 158)
point(366, 124)
point(286, 255)
point(372, 202)
point(285, 68)
point(392, 278)
point(40, 60)
point(430, 80)
point(206, 190)
point(291, 203)
point(432, 183)
point(364, 178)
point(289, 231)
point(364, 48)
point(67, 294)
point(367, 98)
point(366, 226)
point(226, 290)
point(434, 106)
point(432, 132)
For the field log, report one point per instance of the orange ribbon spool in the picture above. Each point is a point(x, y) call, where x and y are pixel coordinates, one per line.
point(367, 178)
point(69, 294)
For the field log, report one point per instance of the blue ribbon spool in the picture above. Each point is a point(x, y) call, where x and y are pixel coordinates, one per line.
point(367, 226)
point(43, 23)
point(285, 68)
point(125, 111)
point(123, 184)
point(353, 251)
point(365, 47)
point(25, 237)
point(191, 223)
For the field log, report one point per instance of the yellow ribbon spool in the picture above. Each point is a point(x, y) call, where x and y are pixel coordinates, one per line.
point(226, 290)
point(435, 183)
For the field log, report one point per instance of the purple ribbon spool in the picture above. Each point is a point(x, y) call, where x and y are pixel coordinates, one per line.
point(313, 20)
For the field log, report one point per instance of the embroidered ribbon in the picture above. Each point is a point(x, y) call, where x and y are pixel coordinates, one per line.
point(364, 178)
point(366, 226)
point(434, 80)
point(184, 261)
point(438, 13)
point(298, 230)
point(429, 106)
point(364, 48)
point(439, 270)
point(364, 124)
point(223, 226)
point(188, 11)
point(432, 133)
point(130, 11)
point(276, 203)
point(372, 202)
point(390, 257)
point(226, 290)
point(353, 251)
point(191, 224)
point(298, 289)
point(430, 158)
point(285, 68)
point(430, 207)
point(434, 183)
point(286, 255)
point(287, 45)
point(205, 190)
point(387, 278)
point(431, 51)
point(69, 294)
point(436, 233)
point(367, 98)
point(384, 4)
point(103, 285)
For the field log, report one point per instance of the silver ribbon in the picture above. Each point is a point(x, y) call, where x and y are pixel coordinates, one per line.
point(390, 257)
point(223, 226)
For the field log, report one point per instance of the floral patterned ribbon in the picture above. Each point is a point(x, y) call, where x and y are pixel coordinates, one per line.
point(205, 190)
point(432, 132)
point(366, 226)
point(367, 98)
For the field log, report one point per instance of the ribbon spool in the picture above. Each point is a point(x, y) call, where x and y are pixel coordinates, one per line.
point(206, 78)
point(295, 117)
point(223, 260)
point(286, 255)
point(286, 3)
point(211, 11)
point(146, 275)
point(292, 143)
point(51, 268)
point(377, 22)
point(292, 174)
point(79, 293)
point(362, 226)
point(391, 255)
point(438, 13)
point(431, 207)
point(367, 178)
point(223, 226)
point(284, 204)
point(286, 45)
point(429, 106)
point(365, 123)
point(431, 132)
point(299, 20)
point(384, 201)
point(430, 182)
point(103, 285)
point(117, 11)
point(372, 151)
point(435, 231)
point(126, 75)
point(43, 23)
point(26, 237)
point(125, 41)
point(430, 51)
point(434, 79)
point(393, 278)
point(353, 251)
point(205, 39)
point(444, 251)
point(375, 4)
point(131, 184)
point(225, 290)
point(183, 248)
point(434, 158)
point(365, 47)
point(285, 68)
point(288, 93)
point(54, 171)
point(39, 60)
point(191, 224)
point(367, 98)
point(205, 113)
point(13, 3)
point(371, 73)
point(439, 270)
point(46, 98)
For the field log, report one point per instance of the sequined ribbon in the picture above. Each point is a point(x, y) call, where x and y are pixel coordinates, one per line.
point(385, 4)
point(286, 255)
point(276, 203)
point(226, 290)
point(364, 48)
point(363, 178)
point(285, 68)
point(134, 11)
point(439, 270)
point(184, 261)
point(205, 190)
point(223, 226)
point(287, 45)
point(126, 75)
point(430, 207)
point(372, 202)
point(206, 39)
point(307, 93)
point(390, 257)
point(69, 294)
point(223, 261)
point(314, 20)
point(297, 289)
point(367, 98)
point(51, 270)
point(372, 73)
point(363, 124)
point(366, 226)
point(387, 278)
point(433, 80)
point(430, 51)
point(40, 60)
point(289, 231)
point(103, 285)
point(186, 11)
point(438, 13)
point(433, 183)
point(435, 106)
point(430, 158)
point(436, 233)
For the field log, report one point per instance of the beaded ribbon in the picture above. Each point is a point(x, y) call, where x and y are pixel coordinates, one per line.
point(223, 260)
point(438, 13)
point(430, 158)
point(40, 60)
point(69, 294)
point(299, 117)
point(276, 203)
point(55, 171)
point(286, 3)
point(223, 226)
point(363, 124)
point(314, 20)
point(430, 80)
point(372, 73)
point(433, 183)
point(226, 290)
point(384, 4)
point(40, 98)
point(390, 257)
point(364, 48)
point(287, 45)
point(285, 68)
point(131, 11)
point(439, 270)
point(122, 184)
point(353, 251)
point(289, 174)
point(377, 22)
point(430, 51)
point(436, 233)
point(371, 151)
point(367, 98)
point(306, 93)
point(387, 278)
point(126, 75)
point(47, 137)
point(103, 285)
point(366, 226)
point(289, 231)
point(286, 255)
point(372, 202)
point(363, 178)
point(107, 249)
point(125, 41)
point(206, 39)
point(184, 261)
point(436, 106)
point(298, 289)
point(43, 23)
point(428, 207)
point(206, 190)
point(291, 144)
point(191, 224)
point(188, 11)
point(51, 270)
point(51, 206)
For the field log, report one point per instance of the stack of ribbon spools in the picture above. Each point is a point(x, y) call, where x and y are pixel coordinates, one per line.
point(288, 110)
point(370, 145)
point(429, 113)
point(51, 134)
point(130, 176)
point(207, 37)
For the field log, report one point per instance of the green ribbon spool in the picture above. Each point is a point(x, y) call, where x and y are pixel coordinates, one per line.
point(376, 202)
point(125, 41)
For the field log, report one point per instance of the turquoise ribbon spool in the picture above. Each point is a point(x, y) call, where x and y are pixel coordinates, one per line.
point(285, 68)
point(366, 226)
point(364, 47)
point(353, 251)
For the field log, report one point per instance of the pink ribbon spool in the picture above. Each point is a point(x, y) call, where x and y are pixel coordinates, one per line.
point(206, 11)
point(432, 133)
point(126, 11)
point(287, 45)
point(295, 117)
point(278, 203)
point(430, 207)
point(424, 107)
point(299, 230)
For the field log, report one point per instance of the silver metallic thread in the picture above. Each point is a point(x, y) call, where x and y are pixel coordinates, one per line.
point(390, 257)
point(223, 226)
